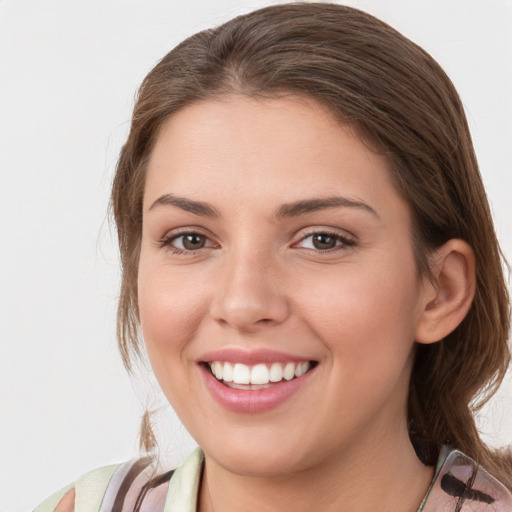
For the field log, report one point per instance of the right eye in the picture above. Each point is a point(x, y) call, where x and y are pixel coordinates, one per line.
point(187, 242)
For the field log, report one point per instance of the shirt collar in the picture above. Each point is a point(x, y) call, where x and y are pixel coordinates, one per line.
point(184, 485)
point(458, 482)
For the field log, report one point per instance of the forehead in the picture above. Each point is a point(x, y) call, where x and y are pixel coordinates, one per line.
point(281, 149)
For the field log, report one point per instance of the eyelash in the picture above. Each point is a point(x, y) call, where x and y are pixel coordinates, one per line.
point(167, 242)
point(342, 242)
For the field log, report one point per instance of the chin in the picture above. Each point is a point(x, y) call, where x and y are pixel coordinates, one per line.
point(258, 465)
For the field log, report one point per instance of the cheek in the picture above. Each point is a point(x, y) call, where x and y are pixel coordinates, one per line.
point(170, 311)
point(366, 317)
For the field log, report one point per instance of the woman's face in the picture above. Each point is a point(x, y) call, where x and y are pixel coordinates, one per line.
point(275, 246)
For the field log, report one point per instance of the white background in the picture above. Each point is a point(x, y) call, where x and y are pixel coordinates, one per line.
point(68, 73)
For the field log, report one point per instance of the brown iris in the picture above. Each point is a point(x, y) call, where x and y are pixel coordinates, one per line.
point(324, 241)
point(193, 241)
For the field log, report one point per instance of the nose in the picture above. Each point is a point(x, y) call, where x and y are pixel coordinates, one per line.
point(249, 292)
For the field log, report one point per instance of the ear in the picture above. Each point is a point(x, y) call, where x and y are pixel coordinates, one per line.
point(448, 297)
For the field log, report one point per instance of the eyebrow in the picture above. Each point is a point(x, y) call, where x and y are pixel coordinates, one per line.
point(286, 210)
point(313, 205)
point(195, 207)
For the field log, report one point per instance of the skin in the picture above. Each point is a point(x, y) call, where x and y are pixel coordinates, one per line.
point(259, 282)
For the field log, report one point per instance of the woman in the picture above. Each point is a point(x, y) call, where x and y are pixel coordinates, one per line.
point(308, 252)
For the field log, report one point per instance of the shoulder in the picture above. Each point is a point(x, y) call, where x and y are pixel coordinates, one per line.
point(135, 485)
point(460, 484)
point(67, 503)
point(86, 493)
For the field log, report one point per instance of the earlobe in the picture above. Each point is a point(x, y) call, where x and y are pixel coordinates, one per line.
point(448, 297)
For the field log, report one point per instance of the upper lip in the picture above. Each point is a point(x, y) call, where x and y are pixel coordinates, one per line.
point(251, 357)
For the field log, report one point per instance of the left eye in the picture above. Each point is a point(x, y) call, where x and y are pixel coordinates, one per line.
point(324, 241)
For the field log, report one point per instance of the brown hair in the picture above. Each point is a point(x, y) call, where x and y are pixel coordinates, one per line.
point(403, 104)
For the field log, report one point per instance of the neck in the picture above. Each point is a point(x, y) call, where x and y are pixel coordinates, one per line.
point(387, 476)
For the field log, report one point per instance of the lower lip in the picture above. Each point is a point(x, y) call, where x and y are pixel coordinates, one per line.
point(253, 401)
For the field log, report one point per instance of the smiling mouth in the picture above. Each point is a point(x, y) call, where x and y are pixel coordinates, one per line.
point(259, 376)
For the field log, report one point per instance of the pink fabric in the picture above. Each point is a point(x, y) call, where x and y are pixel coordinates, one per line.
point(462, 486)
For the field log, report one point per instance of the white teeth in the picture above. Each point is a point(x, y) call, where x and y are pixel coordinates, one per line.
point(276, 372)
point(259, 374)
point(289, 371)
point(300, 370)
point(228, 372)
point(217, 369)
point(241, 374)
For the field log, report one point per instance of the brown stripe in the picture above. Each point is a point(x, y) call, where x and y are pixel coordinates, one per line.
point(152, 484)
point(135, 471)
